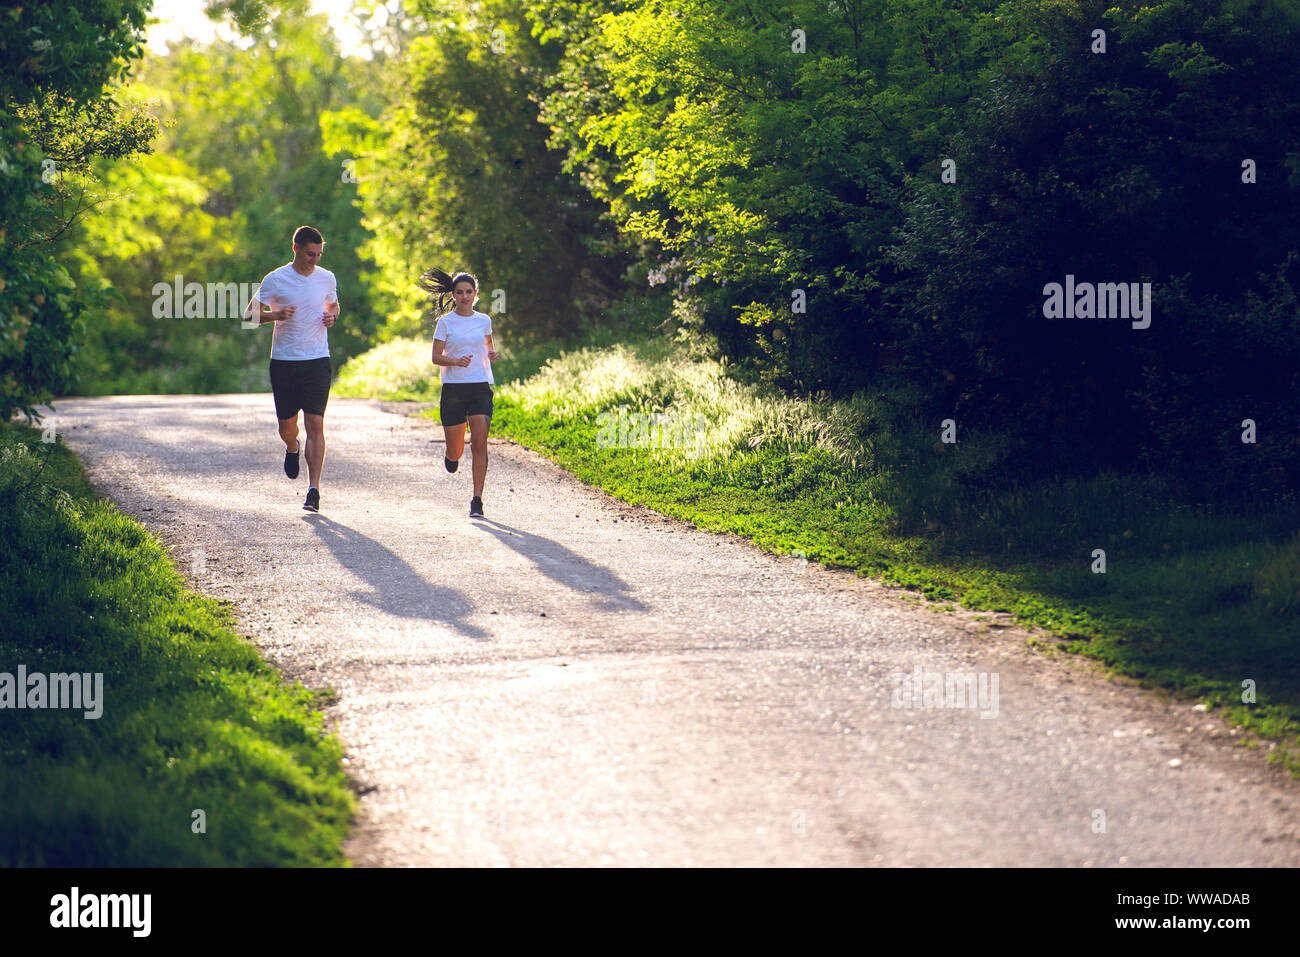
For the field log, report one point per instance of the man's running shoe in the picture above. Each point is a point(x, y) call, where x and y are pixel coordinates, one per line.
point(476, 507)
point(451, 466)
point(291, 464)
point(313, 500)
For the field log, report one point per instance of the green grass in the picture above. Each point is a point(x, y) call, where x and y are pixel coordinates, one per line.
point(398, 369)
point(1195, 599)
point(193, 719)
point(402, 369)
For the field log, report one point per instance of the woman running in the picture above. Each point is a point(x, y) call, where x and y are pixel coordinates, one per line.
point(462, 346)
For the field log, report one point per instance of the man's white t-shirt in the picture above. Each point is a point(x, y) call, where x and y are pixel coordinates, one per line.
point(305, 335)
point(464, 337)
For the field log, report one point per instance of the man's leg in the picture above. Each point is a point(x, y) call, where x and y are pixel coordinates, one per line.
point(478, 435)
point(289, 433)
point(314, 447)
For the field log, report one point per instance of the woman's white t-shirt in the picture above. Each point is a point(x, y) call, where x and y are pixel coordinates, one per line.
point(464, 337)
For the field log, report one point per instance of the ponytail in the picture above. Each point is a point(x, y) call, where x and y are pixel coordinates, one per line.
point(439, 285)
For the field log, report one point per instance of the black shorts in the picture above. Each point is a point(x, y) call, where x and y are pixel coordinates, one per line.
point(460, 400)
point(300, 384)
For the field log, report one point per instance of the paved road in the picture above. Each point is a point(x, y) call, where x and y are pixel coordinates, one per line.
point(577, 682)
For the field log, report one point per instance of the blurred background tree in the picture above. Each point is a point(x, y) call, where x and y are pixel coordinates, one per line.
point(242, 163)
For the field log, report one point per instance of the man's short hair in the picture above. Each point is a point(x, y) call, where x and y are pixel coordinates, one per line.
point(307, 234)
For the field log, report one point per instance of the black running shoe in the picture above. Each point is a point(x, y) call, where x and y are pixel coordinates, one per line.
point(313, 500)
point(291, 464)
point(476, 507)
point(451, 466)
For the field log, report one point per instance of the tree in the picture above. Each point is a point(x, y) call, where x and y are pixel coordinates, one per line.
point(1126, 166)
point(466, 179)
point(243, 161)
point(60, 58)
point(763, 147)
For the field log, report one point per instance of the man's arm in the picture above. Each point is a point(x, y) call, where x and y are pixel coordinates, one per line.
point(266, 313)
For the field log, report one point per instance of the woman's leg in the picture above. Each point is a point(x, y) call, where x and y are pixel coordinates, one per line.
point(478, 435)
point(455, 436)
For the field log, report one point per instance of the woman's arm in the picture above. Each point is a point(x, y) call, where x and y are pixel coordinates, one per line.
point(487, 341)
point(440, 358)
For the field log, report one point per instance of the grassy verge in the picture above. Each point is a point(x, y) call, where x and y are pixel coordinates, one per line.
point(1198, 600)
point(193, 720)
point(401, 369)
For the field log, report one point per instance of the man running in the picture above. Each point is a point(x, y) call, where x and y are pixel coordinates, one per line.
point(301, 298)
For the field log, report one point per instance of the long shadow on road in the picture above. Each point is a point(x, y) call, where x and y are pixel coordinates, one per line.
point(398, 588)
point(562, 565)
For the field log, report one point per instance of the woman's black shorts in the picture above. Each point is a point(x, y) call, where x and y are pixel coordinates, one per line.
point(300, 384)
point(460, 400)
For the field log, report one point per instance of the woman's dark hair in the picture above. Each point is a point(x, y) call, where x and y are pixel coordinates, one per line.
point(439, 285)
